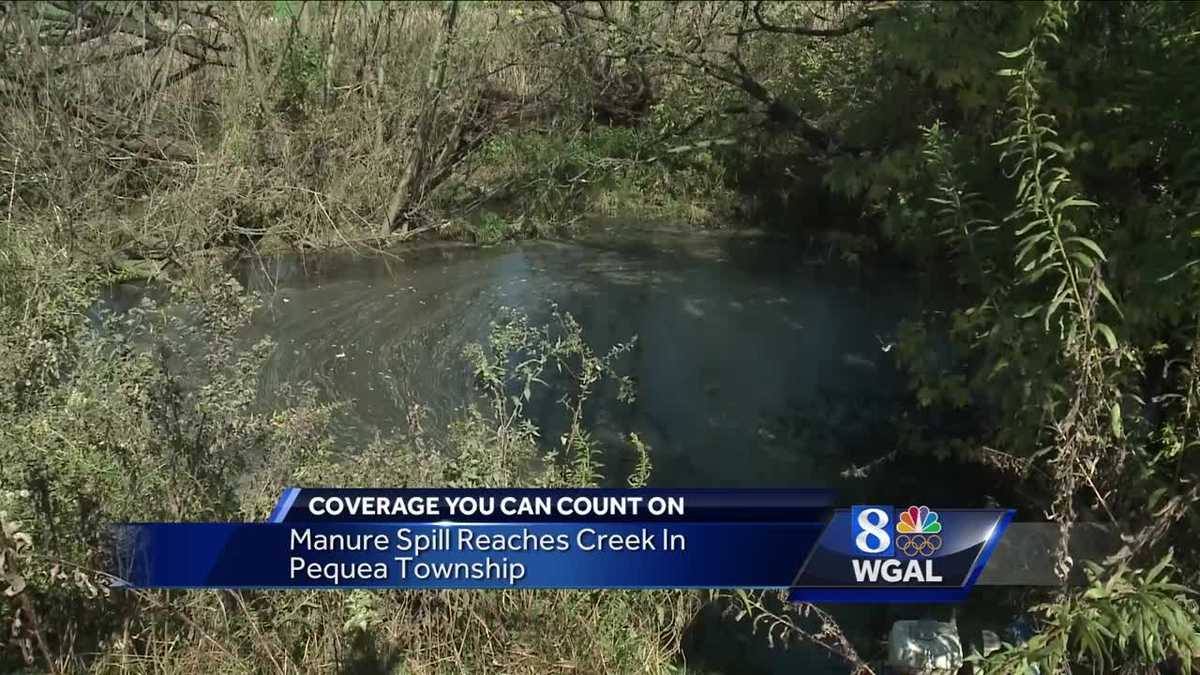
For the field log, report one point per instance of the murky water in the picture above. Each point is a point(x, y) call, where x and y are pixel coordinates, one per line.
point(758, 363)
point(754, 367)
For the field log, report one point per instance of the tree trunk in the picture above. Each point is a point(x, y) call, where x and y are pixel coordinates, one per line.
point(408, 190)
point(331, 54)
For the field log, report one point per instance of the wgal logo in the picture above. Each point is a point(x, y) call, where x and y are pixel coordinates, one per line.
point(904, 556)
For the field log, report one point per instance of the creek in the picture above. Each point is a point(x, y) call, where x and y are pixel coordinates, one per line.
point(759, 362)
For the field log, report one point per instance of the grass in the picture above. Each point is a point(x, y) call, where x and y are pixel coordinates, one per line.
point(293, 141)
point(127, 155)
point(297, 139)
point(126, 426)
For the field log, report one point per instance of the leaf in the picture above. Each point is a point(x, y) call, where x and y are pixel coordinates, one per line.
point(1026, 244)
point(1032, 224)
point(1076, 201)
point(1108, 335)
point(1115, 414)
point(1084, 261)
point(1034, 310)
point(1158, 569)
point(1088, 243)
point(1103, 288)
point(1037, 274)
point(1059, 297)
point(1054, 184)
point(998, 368)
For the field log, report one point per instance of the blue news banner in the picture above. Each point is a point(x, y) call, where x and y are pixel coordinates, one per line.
point(584, 538)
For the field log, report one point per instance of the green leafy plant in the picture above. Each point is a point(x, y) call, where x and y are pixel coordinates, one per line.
point(493, 228)
point(301, 73)
point(959, 210)
point(522, 354)
point(1049, 217)
point(1125, 617)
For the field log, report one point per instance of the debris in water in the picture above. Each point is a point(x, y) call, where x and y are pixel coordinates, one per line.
point(925, 648)
point(885, 346)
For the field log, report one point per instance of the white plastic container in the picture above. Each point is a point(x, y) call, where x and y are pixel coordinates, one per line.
point(924, 648)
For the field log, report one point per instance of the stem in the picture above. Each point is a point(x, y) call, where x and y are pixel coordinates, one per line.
point(26, 605)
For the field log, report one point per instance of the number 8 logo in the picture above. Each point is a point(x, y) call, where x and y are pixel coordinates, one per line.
point(870, 528)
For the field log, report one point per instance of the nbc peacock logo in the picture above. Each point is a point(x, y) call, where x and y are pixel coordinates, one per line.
point(918, 532)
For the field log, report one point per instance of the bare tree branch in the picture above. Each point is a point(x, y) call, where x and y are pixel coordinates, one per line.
point(734, 73)
point(762, 25)
point(96, 18)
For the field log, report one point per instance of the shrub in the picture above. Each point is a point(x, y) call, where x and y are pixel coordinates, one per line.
point(151, 415)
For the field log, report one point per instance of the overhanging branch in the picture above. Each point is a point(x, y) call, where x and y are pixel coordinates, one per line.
point(733, 71)
point(761, 25)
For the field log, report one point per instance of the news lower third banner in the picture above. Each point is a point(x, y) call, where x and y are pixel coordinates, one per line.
point(585, 538)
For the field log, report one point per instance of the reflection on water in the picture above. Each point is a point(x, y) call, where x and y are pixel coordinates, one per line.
point(752, 369)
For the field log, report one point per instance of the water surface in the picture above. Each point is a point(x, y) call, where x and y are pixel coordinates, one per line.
point(755, 365)
point(758, 363)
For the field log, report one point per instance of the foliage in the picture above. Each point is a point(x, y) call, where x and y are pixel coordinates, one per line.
point(492, 228)
point(1070, 386)
point(554, 180)
point(519, 357)
point(151, 415)
point(1127, 618)
point(1035, 162)
point(784, 623)
point(959, 212)
point(301, 73)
